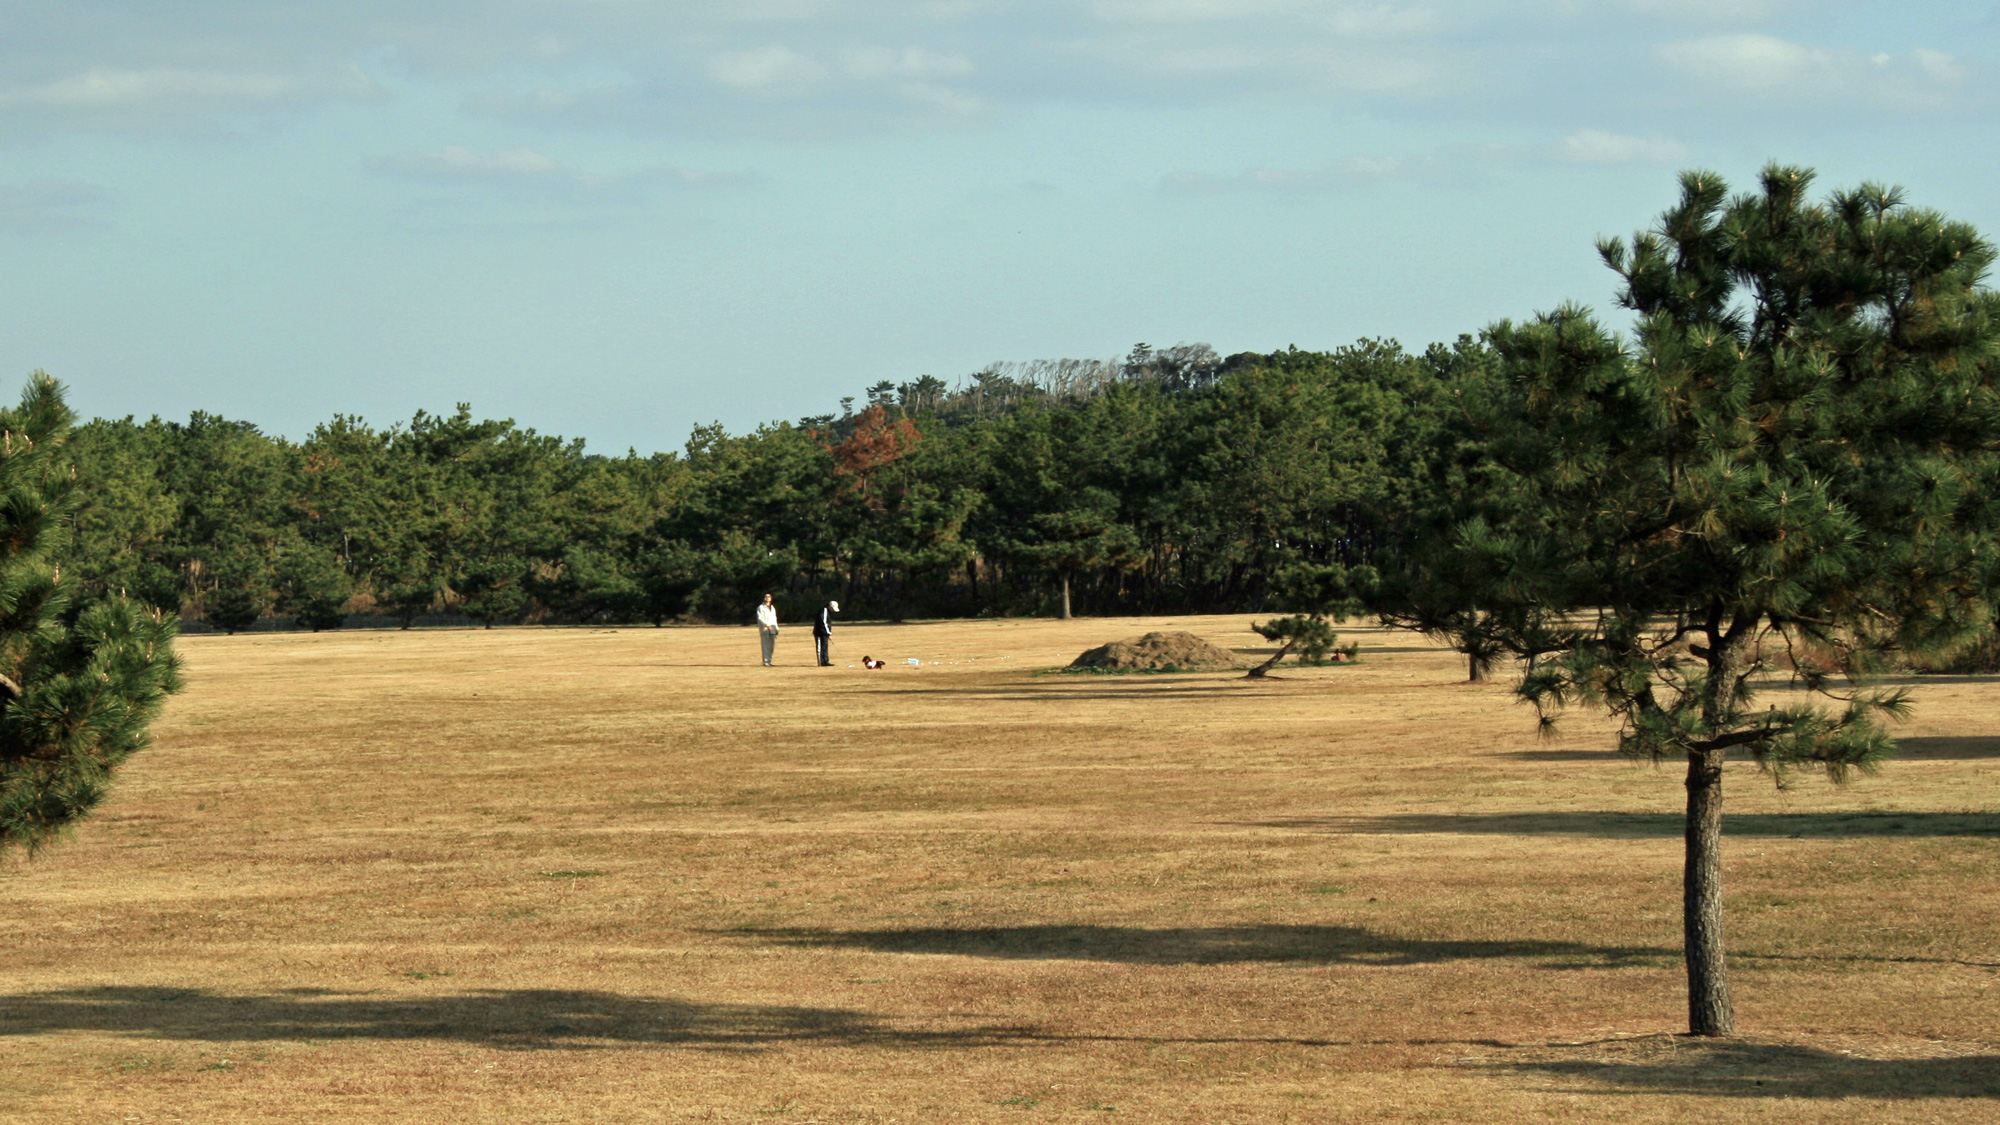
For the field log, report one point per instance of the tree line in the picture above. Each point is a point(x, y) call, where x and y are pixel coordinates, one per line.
point(1787, 475)
point(1172, 480)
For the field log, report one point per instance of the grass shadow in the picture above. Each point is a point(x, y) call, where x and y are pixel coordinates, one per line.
point(1764, 1070)
point(1630, 824)
point(525, 1019)
point(1210, 945)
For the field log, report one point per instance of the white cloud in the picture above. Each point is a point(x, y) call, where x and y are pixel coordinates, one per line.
point(1199, 62)
point(1461, 165)
point(774, 11)
point(1712, 11)
point(878, 77)
point(1385, 21)
point(941, 97)
point(525, 168)
point(108, 86)
point(151, 98)
point(1753, 61)
point(45, 205)
point(802, 67)
point(1938, 65)
point(455, 161)
point(1457, 164)
point(1594, 146)
point(1189, 11)
point(765, 67)
point(910, 62)
point(1801, 73)
point(1346, 20)
point(955, 11)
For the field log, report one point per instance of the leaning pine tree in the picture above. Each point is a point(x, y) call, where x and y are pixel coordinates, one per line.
point(79, 683)
point(1791, 469)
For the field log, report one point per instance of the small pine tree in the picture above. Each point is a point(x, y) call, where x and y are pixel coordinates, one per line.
point(1320, 593)
point(79, 684)
point(1310, 633)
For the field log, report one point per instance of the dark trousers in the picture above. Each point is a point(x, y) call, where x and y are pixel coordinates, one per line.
point(820, 643)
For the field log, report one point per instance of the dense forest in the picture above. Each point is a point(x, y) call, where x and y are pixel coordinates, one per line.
point(1172, 480)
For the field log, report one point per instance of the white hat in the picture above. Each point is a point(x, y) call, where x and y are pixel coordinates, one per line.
point(834, 606)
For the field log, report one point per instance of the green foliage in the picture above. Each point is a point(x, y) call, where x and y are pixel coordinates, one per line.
point(312, 586)
point(239, 590)
point(1310, 635)
point(495, 589)
point(1172, 480)
point(82, 679)
point(1799, 445)
point(410, 591)
point(1795, 455)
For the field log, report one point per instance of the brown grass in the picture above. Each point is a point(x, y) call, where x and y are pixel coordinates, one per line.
point(576, 875)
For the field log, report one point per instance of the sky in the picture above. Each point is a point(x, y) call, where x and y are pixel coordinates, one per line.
point(617, 219)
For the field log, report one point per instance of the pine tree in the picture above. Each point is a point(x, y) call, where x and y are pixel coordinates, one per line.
point(312, 586)
point(1318, 595)
point(1792, 467)
point(79, 683)
point(242, 590)
point(1310, 633)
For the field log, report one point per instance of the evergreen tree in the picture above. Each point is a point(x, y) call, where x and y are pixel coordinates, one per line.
point(411, 590)
point(79, 684)
point(1795, 456)
point(241, 588)
point(116, 543)
point(1049, 509)
point(495, 589)
point(312, 586)
point(1310, 633)
point(1320, 594)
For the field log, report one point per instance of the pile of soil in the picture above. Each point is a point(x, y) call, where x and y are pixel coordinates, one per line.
point(1158, 652)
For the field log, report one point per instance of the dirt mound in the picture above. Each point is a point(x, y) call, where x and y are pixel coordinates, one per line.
point(1158, 652)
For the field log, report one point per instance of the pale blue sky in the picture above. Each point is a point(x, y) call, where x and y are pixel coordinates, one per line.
point(618, 218)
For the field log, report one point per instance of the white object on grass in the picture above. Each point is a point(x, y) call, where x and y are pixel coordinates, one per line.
point(914, 662)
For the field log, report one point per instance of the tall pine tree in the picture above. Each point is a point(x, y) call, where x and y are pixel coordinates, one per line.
point(79, 683)
point(1792, 467)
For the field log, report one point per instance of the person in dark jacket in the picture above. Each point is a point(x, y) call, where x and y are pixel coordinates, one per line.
point(823, 633)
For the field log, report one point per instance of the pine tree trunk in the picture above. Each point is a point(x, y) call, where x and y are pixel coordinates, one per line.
point(1260, 670)
point(1709, 1009)
point(1065, 595)
point(1475, 669)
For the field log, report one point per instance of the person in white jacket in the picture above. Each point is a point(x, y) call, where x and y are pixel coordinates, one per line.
point(767, 627)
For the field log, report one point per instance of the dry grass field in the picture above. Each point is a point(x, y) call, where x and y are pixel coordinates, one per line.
point(629, 875)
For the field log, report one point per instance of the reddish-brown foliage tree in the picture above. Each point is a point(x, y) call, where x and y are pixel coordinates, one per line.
point(876, 442)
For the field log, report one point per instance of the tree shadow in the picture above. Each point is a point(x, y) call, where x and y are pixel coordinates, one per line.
point(1949, 747)
point(1210, 945)
point(1784, 683)
point(1630, 824)
point(1939, 678)
point(1764, 1070)
point(1929, 748)
point(522, 1019)
point(1137, 684)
